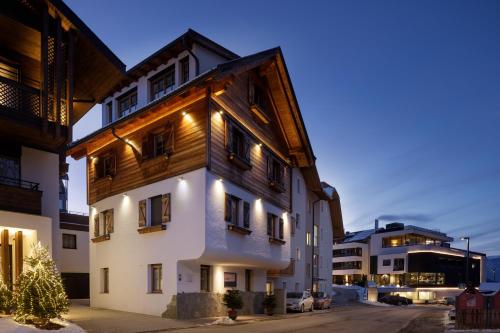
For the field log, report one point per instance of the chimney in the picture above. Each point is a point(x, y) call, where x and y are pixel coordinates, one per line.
point(376, 224)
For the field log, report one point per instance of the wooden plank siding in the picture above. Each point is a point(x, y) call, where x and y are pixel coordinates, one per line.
point(189, 154)
point(236, 106)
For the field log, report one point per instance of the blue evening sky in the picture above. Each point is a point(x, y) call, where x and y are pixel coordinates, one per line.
point(401, 99)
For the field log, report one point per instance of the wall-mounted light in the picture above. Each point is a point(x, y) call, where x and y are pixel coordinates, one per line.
point(220, 180)
point(221, 112)
point(125, 195)
point(181, 178)
point(259, 144)
point(184, 113)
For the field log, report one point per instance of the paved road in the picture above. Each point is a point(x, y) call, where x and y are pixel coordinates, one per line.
point(352, 319)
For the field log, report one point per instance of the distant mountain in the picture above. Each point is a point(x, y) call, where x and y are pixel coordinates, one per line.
point(493, 269)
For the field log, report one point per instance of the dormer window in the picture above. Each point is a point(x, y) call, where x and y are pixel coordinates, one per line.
point(127, 103)
point(184, 67)
point(162, 83)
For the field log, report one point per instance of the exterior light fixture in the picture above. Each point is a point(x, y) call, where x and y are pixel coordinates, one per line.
point(184, 113)
point(221, 112)
point(260, 144)
point(125, 195)
point(220, 180)
point(181, 178)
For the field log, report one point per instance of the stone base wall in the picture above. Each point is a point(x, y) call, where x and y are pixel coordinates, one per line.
point(201, 305)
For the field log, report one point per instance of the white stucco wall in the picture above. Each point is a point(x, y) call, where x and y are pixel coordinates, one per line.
point(226, 247)
point(127, 254)
point(364, 258)
point(43, 168)
point(207, 58)
point(75, 260)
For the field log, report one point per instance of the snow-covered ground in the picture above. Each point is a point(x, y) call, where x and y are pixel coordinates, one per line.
point(8, 325)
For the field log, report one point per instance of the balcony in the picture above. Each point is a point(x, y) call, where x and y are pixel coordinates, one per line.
point(288, 271)
point(21, 196)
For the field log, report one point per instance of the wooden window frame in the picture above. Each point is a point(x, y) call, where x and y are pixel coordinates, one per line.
point(275, 236)
point(131, 96)
point(145, 215)
point(163, 79)
point(276, 173)
point(109, 112)
point(184, 69)
point(105, 166)
point(239, 153)
point(152, 280)
point(150, 150)
point(105, 280)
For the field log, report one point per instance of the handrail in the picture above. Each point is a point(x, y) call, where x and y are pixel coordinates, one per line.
point(17, 182)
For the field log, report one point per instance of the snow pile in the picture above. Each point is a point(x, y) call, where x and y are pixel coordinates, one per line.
point(223, 321)
point(373, 303)
point(8, 325)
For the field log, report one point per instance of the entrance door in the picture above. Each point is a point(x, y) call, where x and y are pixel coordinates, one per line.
point(205, 284)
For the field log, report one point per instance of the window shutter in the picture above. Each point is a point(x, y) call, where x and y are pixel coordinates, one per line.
point(246, 214)
point(270, 224)
point(247, 148)
point(142, 213)
point(229, 136)
point(168, 138)
point(165, 208)
point(228, 208)
point(269, 167)
point(109, 221)
point(96, 225)
point(99, 168)
point(281, 227)
point(146, 151)
point(113, 164)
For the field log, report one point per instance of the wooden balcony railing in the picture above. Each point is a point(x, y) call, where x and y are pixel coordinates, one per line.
point(23, 101)
point(20, 196)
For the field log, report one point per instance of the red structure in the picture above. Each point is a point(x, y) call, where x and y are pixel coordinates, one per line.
point(471, 310)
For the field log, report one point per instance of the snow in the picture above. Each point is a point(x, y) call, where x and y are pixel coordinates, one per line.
point(8, 325)
point(223, 321)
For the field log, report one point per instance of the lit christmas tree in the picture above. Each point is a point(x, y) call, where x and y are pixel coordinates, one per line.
point(39, 294)
point(5, 297)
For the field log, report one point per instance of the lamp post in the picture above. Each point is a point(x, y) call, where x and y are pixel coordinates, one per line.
point(466, 238)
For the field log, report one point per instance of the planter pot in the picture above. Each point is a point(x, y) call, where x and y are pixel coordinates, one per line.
point(232, 314)
point(269, 311)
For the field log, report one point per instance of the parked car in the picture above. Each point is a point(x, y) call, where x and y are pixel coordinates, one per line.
point(395, 300)
point(321, 300)
point(447, 300)
point(296, 301)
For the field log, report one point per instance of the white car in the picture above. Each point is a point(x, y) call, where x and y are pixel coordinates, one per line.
point(299, 301)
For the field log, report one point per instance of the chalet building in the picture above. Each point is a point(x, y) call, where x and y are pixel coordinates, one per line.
point(53, 69)
point(196, 182)
point(407, 260)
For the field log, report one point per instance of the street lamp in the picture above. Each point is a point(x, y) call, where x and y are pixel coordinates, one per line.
point(466, 238)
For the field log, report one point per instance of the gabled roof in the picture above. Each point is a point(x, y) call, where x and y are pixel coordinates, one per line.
point(172, 49)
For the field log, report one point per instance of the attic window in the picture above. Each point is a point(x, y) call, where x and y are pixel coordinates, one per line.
point(162, 83)
point(127, 103)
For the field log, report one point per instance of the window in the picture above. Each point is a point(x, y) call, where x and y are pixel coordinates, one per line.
point(271, 225)
point(231, 210)
point(386, 262)
point(109, 112)
point(408, 240)
point(308, 238)
point(347, 265)
point(246, 214)
point(155, 278)
point(9, 168)
point(162, 83)
point(248, 280)
point(309, 205)
point(298, 185)
point(297, 220)
point(238, 146)
point(399, 264)
point(69, 241)
point(184, 64)
point(104, 223)
point(292, 225)
point(156, 210)
point(105, 166)
point(276, 174)
point(205, 278)
point(9, 71)
point(230, 280)
point(159, 142)
point(127, 103)
point(308, 270)
point(315, 232)
point(349, 252)
point(297, 254)
point(105, 280)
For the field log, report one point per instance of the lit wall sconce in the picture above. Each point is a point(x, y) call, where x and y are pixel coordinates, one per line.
point(181, 178)
point(221, 112)
point(184, 113)
point(125, 195)
point(259, 144)
point(220, 180)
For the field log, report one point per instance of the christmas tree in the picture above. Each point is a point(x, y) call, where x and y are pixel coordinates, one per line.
point(39, 294)
point(5, 297)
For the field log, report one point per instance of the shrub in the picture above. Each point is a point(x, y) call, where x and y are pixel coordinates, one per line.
point(232, 299)
point(269, 302)
point(5, 297)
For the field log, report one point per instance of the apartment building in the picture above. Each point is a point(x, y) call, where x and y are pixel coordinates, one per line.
point(408, 260)
point(53, 69)
point(192, 181)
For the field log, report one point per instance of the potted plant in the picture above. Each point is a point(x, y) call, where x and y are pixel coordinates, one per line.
point(269, 304)
point(233, 301)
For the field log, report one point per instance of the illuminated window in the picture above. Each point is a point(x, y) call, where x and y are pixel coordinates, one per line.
point(308, 238)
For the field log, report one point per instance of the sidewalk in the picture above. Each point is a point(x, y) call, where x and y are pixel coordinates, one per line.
point(95, 320)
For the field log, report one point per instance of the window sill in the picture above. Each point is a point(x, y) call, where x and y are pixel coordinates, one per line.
point(276, 241)
point(239, 230)
point(239, 162)
point(153, 228)
point(101, 238)
point(155, 292)
point(102, 179)
point(277, 187)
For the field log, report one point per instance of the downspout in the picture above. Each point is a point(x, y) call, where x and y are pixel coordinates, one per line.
point(196, 60)
point(312, 241)
point(137, 154)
